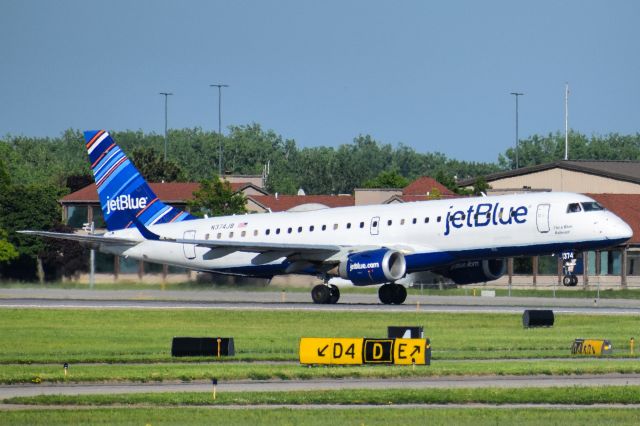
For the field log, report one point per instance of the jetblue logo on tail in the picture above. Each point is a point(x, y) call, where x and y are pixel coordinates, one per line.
point(485, 214)
point(125, 202)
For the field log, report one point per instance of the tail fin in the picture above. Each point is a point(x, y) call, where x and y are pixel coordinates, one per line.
point(124, 194)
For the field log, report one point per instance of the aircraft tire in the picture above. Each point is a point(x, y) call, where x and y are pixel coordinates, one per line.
point(566, 281)
point(385, 294)
point(574, 280)
point(399, 294)
point(334, 294)
point(321, 294)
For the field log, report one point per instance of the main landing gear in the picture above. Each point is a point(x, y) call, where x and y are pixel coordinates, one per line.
point(325, 294)
point(392, 294)
point(570, 280)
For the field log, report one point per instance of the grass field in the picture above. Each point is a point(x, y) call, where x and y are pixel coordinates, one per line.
point(157, 372)
point(65, 335)
point(135, 344)
point(563, 395)
point(323, 417)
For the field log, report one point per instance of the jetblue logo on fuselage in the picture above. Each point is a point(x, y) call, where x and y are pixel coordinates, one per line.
point(125, 202)
point(358, 266)
point(484, 214)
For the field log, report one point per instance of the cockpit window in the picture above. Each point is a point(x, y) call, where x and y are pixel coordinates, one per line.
point(591, 206)
point(573, 208)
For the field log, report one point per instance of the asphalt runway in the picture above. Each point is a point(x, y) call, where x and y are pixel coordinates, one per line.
point(538, 381)
point(279, 300)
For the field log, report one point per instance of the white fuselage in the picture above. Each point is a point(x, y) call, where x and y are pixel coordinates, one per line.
point(430, 233)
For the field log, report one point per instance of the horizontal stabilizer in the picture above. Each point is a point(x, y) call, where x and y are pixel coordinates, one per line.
point(98, 239)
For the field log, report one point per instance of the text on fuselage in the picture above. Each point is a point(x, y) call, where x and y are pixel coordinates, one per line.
point(125, 202)
point(484, 214)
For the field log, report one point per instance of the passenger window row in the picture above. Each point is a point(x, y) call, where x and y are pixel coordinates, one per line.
point(300, 229)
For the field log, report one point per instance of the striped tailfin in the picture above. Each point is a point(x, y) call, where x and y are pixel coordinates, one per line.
point(124, 194)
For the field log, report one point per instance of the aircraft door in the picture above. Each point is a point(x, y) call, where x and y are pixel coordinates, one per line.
point(375, 225)
point(542, 218)
point(189, 249)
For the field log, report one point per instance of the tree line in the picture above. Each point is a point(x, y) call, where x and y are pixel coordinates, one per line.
point(36, 172)
point(192, 155)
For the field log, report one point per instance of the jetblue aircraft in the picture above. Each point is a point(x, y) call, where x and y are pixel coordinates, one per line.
point(464, 239)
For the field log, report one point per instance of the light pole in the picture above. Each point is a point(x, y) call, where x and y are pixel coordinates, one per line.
point(219, 86)
point(566, 124)
point(516, 94)
point(166, 96)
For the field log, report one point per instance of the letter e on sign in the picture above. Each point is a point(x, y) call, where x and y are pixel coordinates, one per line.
point(408, 351)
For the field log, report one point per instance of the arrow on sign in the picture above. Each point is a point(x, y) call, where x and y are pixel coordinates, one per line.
point(322, 351)
point(416, 349)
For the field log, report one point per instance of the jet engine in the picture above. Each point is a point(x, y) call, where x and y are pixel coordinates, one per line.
point(373, 267)
point(476, 271)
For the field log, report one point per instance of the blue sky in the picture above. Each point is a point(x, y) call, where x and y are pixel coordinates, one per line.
point(433, 75)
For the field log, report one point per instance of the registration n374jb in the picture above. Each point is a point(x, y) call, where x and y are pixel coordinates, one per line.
point(464, 239)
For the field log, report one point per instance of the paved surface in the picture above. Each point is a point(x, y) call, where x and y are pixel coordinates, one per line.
point(8, 391)
point(271, 300)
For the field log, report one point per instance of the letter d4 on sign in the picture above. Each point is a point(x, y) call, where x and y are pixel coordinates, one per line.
point(337, 351)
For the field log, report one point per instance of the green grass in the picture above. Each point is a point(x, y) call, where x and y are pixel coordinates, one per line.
point(23, 373)
point(136, 344)
point(116, 335)
point(322, 417)
point(563, 395)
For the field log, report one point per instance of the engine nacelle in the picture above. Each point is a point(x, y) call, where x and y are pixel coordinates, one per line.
point(373, 267)
point(477, 271)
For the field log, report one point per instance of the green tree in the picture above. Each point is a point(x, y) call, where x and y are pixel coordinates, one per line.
point(447, 179)
point(63, 257)
point(480, 186)
point(387, 179)
point(435, 194)
point(216, 198)
point(152, 166)
point(28, 207)
point(5, 177)
point(546, 149)
point(7, 250)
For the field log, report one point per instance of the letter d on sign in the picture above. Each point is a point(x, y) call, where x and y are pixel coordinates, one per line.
point(377, 351)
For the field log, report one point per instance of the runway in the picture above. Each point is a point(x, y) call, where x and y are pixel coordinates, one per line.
point(538, 381)
point(280, 300)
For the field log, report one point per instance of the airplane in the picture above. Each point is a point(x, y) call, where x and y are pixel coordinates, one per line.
point(464, 239)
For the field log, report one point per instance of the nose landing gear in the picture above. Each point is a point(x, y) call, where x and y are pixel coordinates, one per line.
point(570, 280)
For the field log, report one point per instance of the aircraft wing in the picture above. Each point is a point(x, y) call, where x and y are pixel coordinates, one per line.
point(262, 247)
point(235, 245)
point(99, 239)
